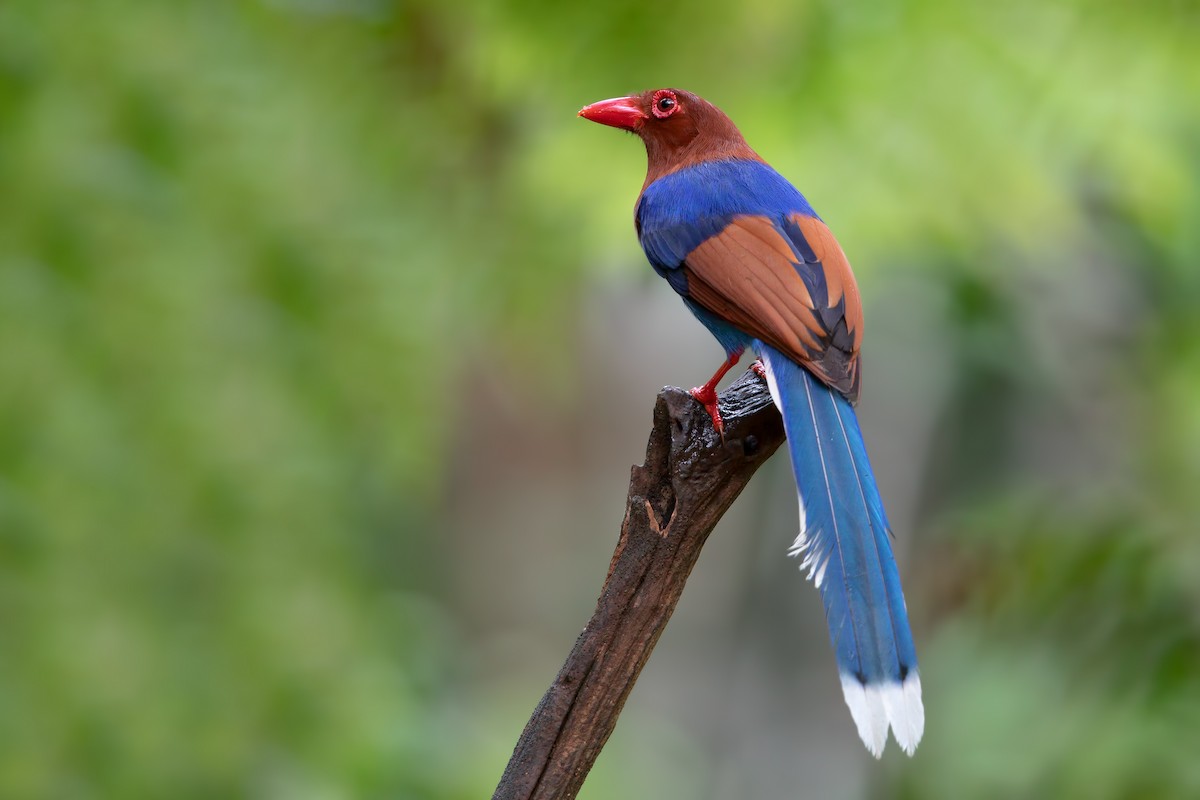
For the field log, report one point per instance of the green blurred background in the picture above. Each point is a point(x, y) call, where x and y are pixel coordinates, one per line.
point(326, 345)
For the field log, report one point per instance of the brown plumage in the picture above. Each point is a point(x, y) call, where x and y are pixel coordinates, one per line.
point(750, 275)
point(760, 269)
point(753, 273)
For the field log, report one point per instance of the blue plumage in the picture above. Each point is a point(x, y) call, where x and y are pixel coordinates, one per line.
point(733, 340)
point(679, 211)
point(844, 536)
point(759, 269)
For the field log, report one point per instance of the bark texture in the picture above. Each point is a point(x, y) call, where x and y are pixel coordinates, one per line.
point(676, 498)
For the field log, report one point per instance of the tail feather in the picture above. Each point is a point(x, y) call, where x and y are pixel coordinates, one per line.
point(844, 540)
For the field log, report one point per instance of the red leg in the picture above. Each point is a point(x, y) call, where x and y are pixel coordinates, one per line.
point(707, 394)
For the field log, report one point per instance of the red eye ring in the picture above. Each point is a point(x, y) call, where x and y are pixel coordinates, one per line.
point(665, 103)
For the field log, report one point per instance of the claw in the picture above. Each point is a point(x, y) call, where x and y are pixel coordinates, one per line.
point(706, 395)
point(758, 369)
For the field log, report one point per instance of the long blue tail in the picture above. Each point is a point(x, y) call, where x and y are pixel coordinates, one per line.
point(844, 540)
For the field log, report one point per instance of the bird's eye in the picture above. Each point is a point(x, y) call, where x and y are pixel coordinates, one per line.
point(665, 103)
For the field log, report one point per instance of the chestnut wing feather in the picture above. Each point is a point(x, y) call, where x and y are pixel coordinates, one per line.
point(788, 283)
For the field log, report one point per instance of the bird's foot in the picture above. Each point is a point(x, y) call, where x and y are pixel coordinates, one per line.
point(706, 395)
point(758, 369)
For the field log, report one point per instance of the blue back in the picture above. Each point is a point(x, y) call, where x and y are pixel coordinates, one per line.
point(679, 211)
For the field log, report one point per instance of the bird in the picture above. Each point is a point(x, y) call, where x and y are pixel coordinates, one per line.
point(761, 270)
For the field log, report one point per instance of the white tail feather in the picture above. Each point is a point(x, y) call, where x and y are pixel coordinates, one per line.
point(876, 707)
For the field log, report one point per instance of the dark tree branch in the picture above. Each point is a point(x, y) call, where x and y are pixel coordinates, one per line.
point(689, 480)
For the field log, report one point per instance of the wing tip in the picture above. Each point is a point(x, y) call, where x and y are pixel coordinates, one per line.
point(876, 707)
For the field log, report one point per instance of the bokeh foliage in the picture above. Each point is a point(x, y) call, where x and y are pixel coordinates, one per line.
point(251, 251)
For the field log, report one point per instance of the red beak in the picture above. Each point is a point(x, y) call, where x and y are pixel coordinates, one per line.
point(619, 112)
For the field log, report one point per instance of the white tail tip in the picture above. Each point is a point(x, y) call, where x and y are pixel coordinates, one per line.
point(878, 706)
